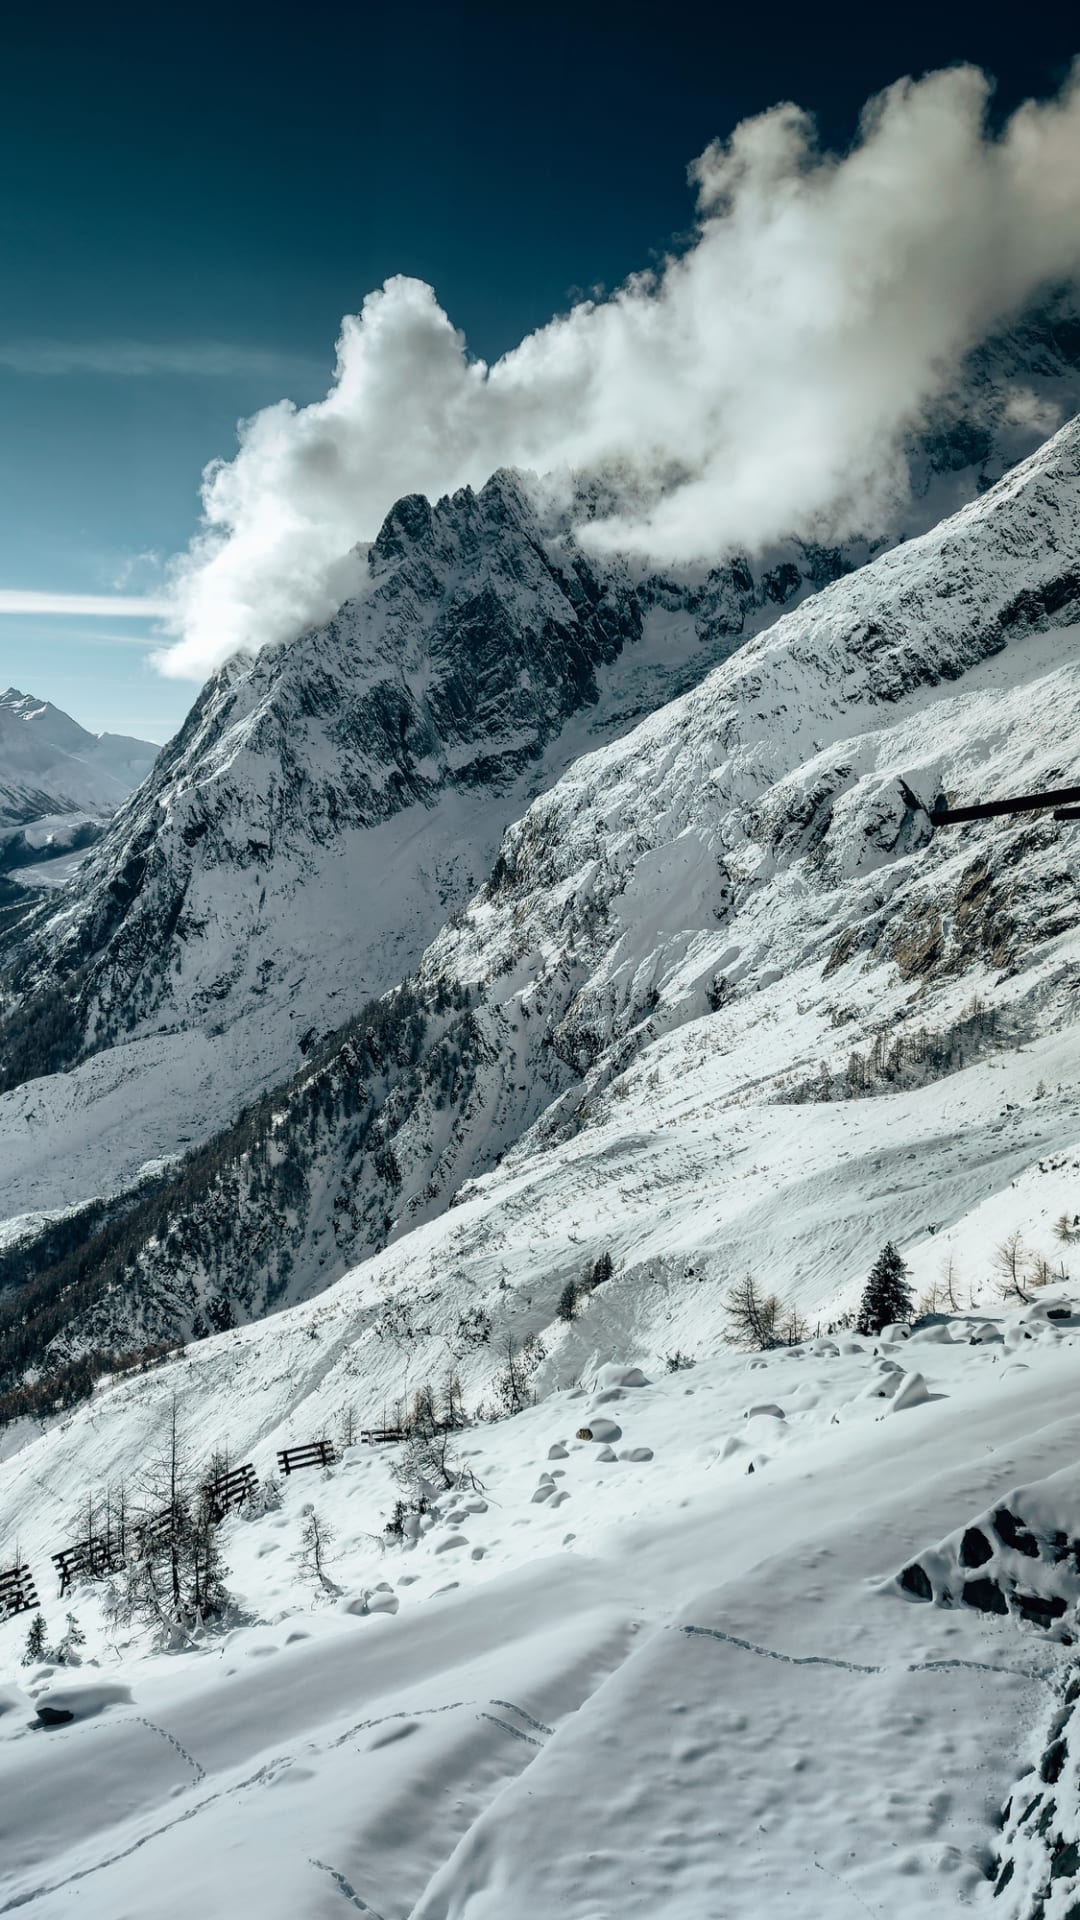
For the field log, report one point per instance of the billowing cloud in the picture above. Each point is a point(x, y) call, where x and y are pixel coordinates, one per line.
point(757, 385)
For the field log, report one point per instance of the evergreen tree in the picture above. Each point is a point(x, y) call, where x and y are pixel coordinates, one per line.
point(568, 1301)
point(67, 1653)
point(601, 1270)
point(206, 1596)
point(511, 1383)
point(886, 1296)
point(173, 1577)
point(34, 1651)
point(454, 1416)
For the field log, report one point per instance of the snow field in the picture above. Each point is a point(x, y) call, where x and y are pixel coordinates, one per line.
point(702, 1680)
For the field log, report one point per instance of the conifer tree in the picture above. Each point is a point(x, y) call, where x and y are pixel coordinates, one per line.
point(886, 1296)
point(601, 1270)
point(316, 1536)
point(67, 1653)
point(568, 1301)
point(34, 1651)
point(453, 1416)
point(173, 1577)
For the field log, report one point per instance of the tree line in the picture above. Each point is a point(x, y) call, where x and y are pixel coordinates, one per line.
point(758, 1321)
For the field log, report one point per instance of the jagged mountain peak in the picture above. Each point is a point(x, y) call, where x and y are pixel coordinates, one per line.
point(456, 520)
point(471, 647)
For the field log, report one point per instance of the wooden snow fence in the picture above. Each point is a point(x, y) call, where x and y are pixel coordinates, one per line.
point(100, 1554)
point(379, 1435)
point(18, 1593)
point(93, 1556)
point(153, 1531)
point(314, 1453)
point(229, 1490)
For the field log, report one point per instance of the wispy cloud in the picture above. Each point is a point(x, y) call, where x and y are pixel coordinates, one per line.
point(194, 359)
point(62, 633)
point(95, 606)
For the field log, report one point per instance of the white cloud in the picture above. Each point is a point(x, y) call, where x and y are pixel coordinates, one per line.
point(756, 386)
point(105, 606)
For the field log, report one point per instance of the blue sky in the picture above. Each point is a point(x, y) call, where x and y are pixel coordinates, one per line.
point(193, 198)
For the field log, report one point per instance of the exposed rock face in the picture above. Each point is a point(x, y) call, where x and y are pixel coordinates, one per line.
point(1027, 1552)
point(1038, 1858)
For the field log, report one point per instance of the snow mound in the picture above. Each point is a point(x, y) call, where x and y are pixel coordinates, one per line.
point(612, 1375)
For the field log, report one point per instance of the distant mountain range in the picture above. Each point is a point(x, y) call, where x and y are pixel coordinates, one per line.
point(51, 765)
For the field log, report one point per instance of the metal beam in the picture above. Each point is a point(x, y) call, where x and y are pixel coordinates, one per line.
point(1021, 803)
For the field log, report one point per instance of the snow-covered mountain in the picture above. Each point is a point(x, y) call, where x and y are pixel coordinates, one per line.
point(326, 806)
point(704, 964)
point(322, 811)
point(49, 765)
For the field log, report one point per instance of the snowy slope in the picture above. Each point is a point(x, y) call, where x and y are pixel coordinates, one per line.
point(628, 1678)
point(49, 765)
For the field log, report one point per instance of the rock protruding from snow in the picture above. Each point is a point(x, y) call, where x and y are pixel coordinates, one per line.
point(59, 1705)
point(1021, 1557)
